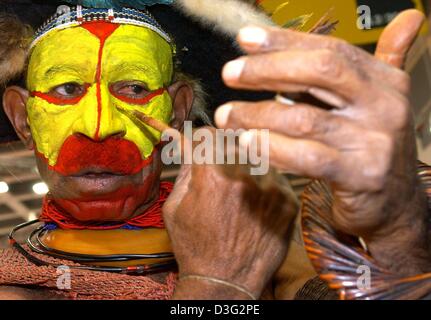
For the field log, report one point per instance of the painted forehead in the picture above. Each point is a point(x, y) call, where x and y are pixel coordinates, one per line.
point(128, 53)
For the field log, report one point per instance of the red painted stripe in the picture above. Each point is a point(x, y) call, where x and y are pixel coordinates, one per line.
point(102, 30)
point(48, 97)
point(99, 92)
point(141, 101)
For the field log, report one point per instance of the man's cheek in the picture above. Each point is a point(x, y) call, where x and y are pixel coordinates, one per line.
point(161, 108)
point(145, 137)
point(50, 126)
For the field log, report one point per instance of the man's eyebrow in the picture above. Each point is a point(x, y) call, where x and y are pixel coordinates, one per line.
point(52, 71)
point(126, 66)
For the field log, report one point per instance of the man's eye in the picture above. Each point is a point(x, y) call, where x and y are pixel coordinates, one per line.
point(137, 89)
point(69, 89)
point(132, 90)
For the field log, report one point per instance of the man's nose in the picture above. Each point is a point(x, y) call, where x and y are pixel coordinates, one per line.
point(101, 119)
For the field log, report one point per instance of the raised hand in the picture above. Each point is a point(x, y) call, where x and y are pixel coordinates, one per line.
point(364, 147)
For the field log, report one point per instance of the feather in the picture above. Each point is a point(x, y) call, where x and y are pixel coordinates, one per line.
point(228, 16)
point(297, 23)
point(324, 25)
point(137, 4)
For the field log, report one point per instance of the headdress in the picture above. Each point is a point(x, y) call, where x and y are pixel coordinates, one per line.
point(67, 17)
point(202, 31)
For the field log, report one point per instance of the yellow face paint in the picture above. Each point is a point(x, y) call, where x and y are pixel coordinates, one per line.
point(78, 55)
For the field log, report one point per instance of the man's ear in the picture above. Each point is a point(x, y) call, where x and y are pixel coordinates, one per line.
point(14, 104)
point(182, 100)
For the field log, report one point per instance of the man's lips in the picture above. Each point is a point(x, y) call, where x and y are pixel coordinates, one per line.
point(96, 173)
point(92, 185)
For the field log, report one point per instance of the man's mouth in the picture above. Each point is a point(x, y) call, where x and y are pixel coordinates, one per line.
point(94, 173)
point(95, 183)
point(101, 175)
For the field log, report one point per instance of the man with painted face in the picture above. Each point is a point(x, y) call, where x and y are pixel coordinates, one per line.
point(228, 233)
point(88, 69)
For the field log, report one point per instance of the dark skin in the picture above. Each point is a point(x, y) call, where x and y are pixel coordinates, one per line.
point(239, 215)
point(72, 187)
point(377, 197)
point(364, 148)
point(225, 224)
point(14, 102)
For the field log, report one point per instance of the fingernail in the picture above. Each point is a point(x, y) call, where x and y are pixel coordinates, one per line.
point(252, 35)
point(246, 138)
point(222, 115)
point(233, 69)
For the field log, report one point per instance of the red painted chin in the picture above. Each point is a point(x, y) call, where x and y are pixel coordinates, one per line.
point(109, 178)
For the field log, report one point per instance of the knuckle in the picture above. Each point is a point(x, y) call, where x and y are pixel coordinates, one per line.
point(342, 46)
point(269, 108)
point(311, 123)
point(327, 166)
point(275, 38)
point(323, 166)
point(328, 64)
point(303, 121)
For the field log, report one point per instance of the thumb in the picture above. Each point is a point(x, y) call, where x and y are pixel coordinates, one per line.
point(398, 37)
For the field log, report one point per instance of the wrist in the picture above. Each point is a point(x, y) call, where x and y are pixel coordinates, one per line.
point(405, 247)
point(204, 288)
point(252, 278)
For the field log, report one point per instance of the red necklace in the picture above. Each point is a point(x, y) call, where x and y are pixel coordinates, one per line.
point(152, 217)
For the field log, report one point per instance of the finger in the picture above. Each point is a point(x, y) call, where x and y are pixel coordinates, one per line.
point(398, 37)
point(151, 122)
point(297, 72)
point(297, 121)
point(257, 40)
point(268, 39)
point(180, 189)
point(296, 156)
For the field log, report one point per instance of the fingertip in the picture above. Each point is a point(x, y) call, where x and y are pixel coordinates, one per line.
point(398, 37)
point(252, 36)
point(414, 13)
point(414, 19)
point(221, 116)
point(232, 70)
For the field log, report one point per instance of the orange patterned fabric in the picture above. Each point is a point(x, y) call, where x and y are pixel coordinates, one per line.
point(16, 270)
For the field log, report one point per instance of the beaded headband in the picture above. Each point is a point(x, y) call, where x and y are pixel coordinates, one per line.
point(67, 17)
